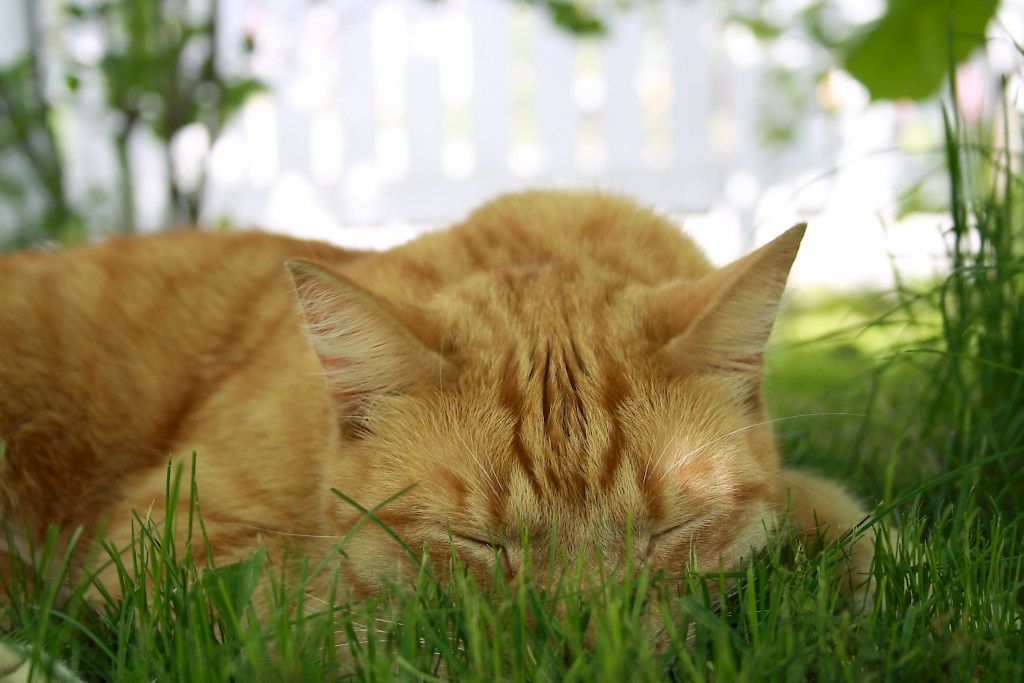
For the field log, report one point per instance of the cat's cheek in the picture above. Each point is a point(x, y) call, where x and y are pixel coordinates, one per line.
point(744, 538)
point(673, 559)
point(469, 563)
point(350, 480)
point(372, 562)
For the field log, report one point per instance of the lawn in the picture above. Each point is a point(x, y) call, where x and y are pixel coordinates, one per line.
point(915, 398)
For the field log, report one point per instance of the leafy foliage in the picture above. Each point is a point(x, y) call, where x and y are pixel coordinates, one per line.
point(31, 166)
point(574, 17)
point(160, 68)
point(907, 52)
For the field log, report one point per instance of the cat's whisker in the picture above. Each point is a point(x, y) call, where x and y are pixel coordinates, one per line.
point(487, 473)
point(279, 532)
point(381, 620)
point(363, 629)
point(307, 594)
point(685, 458)
point(343, 610)
point(668, 445)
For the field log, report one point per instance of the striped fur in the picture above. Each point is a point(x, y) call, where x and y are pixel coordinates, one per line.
point(558, 362)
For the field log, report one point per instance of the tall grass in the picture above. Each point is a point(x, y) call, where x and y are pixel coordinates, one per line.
point(940, 448)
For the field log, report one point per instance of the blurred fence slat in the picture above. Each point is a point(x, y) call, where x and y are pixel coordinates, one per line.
point(416, 111)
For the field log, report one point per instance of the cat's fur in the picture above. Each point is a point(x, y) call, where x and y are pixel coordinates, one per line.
point(558, 361)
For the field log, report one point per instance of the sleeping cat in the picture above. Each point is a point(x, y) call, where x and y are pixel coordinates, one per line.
point(558, 360)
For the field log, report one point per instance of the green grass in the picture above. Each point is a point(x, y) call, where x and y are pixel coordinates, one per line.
point(915, 398)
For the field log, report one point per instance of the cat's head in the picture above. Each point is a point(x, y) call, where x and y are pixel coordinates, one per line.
point(561, 404)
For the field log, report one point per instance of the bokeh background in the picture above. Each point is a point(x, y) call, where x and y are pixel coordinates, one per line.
point(366, 122)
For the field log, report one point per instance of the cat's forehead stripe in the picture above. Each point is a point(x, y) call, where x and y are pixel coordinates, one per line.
point(511, 399)
point(615, 391)
point(568, 402)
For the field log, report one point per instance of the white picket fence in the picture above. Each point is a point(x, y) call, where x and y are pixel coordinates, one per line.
point(411, 110)
point(385, 117)
point(415, 111)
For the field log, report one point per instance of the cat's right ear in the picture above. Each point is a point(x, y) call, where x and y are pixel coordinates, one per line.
point(724, 318)
point(366, 345)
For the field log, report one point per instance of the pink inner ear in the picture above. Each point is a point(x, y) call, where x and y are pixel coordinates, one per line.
point(342, 398)
point(311, 289)
point(317, 317)
point(338, 393)
point(334, 367)
point(362, 348)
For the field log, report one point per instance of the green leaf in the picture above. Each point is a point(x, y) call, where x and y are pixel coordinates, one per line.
point(231, 587)
point(13, 190)
point(575, 18)
point(88, 10)
point(909, 50)
point(235, 93)
point(762, 28)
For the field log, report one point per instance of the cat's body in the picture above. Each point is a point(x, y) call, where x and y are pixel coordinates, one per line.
point(115, 357)
point(562, 361)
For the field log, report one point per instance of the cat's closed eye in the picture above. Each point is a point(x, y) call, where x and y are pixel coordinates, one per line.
point(672, 533)
point(477, 541)
point(492, 549)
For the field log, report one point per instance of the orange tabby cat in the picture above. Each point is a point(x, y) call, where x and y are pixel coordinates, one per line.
point(559, 360)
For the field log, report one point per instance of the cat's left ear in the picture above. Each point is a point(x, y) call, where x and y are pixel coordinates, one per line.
point(367, 345)
point(724, 319)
